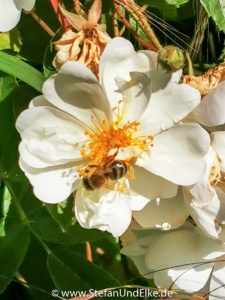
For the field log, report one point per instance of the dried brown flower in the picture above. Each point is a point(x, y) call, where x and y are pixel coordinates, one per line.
point(87, 44)
point(207, 82)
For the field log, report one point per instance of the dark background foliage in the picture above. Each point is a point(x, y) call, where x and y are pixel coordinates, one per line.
point(41, 246)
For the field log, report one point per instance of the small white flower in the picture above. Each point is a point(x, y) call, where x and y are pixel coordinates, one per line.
point(10, 12)
point(74, 126)
point(181, 259)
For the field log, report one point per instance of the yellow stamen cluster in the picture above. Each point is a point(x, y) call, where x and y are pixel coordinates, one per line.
point(104, 139)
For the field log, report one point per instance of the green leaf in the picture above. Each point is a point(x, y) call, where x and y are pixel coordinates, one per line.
point(5, 199)
point(10, 40)
point(16, 67)
point(62, 213)
point(71, 271)
point(7, 86)
point(36, 272)
point(13, 248)
point(216, 10)
point(177, 3)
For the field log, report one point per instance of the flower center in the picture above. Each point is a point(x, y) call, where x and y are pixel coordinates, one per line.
point(104, 139)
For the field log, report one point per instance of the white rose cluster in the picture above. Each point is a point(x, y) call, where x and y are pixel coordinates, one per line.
point(136, 163)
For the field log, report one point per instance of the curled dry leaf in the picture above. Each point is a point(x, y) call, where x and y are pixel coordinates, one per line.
point(207, 82)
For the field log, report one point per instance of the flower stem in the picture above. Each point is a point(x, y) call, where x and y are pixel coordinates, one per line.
point(128, 26)
point(190, 66)
point(133, 9)
point(77, 7)
point(40, 22)
point(115, 25)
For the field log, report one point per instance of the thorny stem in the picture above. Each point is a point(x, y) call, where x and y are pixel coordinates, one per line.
point(132, 8)
point(127, 24)
point(40, 22)
point(190, 66)
point(77, 7)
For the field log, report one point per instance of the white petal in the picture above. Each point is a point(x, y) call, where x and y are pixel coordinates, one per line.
point(167, 107)
point(53, 184)
point(217, 282)
point(9, 15)
point(163, 213)
point(136, 95)
point(25, 4)
point(49, 137)
point(103, 209)
point(202, 192)
point(40, 101)
point(211, 110)
point(205, 217)
point(218, 143)
point(151, 186)
point(176, 153)
point(183, 246)
point(117, 61)
point(76, 91)
point(220, 219)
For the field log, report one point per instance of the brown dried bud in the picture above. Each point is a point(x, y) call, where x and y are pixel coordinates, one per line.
point(207, 82)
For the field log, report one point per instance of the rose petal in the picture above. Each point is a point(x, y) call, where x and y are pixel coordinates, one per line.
point(76, 91)
point(167, 107)
point(163, 213)
point(211, 110)
point(107, 209)
point(53, 184)
point(117, 61)
point(176, 153)
point(218, 143)
point(49, 137)
point(9, 15)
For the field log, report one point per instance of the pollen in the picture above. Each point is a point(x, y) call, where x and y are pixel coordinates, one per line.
point(105, 138)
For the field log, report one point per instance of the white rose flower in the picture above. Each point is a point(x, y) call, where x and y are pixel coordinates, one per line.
point(206, 199)
point(180, 259)
point(74, 128)
point(10, 12)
